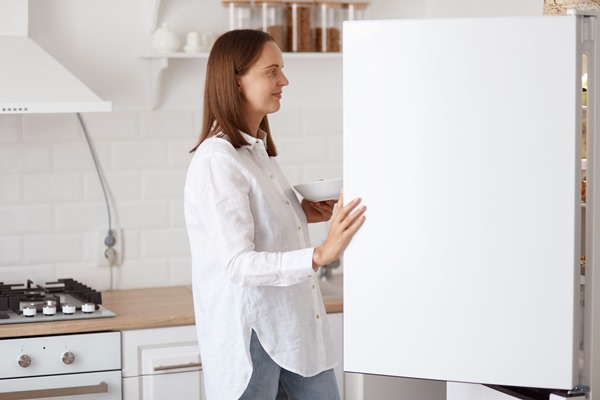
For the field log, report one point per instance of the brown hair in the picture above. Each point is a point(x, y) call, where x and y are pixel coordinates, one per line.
point(232, 55)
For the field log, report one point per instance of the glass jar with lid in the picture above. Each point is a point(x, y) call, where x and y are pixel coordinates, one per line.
point(355, 11)
point(328, 26)
point(271, 19)
point(240, 14)
point(298, 20)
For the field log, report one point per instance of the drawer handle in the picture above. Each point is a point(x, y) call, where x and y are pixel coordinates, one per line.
point(57, 392)
point(176, 366)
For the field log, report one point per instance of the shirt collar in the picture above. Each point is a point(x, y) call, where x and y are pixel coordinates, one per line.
point(262, 138)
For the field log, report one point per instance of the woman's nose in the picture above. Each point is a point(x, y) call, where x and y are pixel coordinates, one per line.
point(284, 81)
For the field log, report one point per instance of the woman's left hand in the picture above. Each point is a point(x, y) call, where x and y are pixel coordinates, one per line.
point(318, 211)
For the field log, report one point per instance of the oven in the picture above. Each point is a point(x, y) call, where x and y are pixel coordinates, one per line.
point(78, 366)
point(70, 366)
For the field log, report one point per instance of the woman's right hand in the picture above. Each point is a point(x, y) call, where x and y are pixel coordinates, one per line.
point(345, 222)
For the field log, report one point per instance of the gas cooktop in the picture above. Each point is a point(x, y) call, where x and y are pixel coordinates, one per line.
point(65, 299)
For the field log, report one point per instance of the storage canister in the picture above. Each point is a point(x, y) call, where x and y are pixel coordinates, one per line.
point(298, 19)
point(240, 14)
point(271, 17)
point(354, 11)
point(328, 26)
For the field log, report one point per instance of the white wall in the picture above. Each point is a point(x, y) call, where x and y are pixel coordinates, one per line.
point(51, 206)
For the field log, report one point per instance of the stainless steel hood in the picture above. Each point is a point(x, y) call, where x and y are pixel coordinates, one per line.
point(31, 80)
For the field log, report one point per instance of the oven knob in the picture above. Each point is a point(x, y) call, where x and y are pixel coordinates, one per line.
point(68, 358)
point(24, 361)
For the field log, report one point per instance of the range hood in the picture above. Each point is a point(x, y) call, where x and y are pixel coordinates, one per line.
point(31, 80)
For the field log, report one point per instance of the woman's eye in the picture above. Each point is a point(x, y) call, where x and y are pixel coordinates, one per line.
point(272, 72)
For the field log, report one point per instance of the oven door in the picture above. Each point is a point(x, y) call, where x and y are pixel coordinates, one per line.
point(94, 385)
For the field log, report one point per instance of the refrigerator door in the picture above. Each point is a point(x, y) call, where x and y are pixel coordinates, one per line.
point(462, 138)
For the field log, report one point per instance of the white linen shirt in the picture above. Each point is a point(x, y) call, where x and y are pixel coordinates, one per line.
point(251, 267)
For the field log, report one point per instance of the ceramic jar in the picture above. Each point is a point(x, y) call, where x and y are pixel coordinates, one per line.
point(164, 40)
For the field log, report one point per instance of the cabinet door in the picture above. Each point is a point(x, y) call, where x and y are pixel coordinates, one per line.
point(462, 138)
point(180, 386)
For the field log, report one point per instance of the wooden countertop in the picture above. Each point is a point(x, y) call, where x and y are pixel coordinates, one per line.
point(135, 309)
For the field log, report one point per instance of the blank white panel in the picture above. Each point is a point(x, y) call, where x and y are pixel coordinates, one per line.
point(461, 137)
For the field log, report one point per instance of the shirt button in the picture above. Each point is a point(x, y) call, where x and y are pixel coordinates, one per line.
point(318, 316)
point(299, 228)
point(272, 176)
point(313, 286)
point(287, 202)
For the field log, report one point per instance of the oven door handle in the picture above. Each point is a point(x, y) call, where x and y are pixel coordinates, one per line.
point(102, 387)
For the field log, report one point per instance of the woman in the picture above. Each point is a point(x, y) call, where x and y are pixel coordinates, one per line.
point(261, 322)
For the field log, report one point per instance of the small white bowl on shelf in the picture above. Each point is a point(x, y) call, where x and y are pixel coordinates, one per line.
point(322, 190)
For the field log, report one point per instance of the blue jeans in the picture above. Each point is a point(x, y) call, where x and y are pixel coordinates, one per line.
point(270, 381)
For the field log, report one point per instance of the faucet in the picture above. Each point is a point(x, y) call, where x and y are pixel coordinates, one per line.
point(325, 270)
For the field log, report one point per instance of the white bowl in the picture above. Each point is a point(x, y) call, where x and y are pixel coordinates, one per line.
point(325, 189)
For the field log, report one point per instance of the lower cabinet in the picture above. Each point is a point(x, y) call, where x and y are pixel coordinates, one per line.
point(165, 363)
point(161, 363)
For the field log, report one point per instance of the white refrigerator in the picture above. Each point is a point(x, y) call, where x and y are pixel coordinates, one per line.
point(463, 137)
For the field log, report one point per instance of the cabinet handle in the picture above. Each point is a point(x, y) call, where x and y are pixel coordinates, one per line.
point(57, 392)
point(176, 366)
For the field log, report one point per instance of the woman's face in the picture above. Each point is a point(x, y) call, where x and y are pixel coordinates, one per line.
point(261, 87)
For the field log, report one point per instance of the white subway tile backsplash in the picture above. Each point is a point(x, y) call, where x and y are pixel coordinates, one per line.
point(131, 244)
point(53, 247)
point(285, 122)
point(53, 187)
point(176, 214)
point(322, 120)
point(165, 243)
point(180, 270)
point(26, 219)
point(179, 153)
point(11, 128)
point(76, 156)
point(11, 251)
point(169, 124)
point(51, 128)
point(143, 214)
point(11, 188)
point(162, 184)
point(302, 149)
point(121, 185)
point(81, 217)
point(139, 155)
point(141, 274)
point(336, 149)
point(25, 157)
point(116, 125)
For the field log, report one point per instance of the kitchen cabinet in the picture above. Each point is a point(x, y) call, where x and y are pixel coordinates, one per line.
point(162, 363)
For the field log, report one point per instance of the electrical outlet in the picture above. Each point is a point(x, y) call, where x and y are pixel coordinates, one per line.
point(110, 256)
